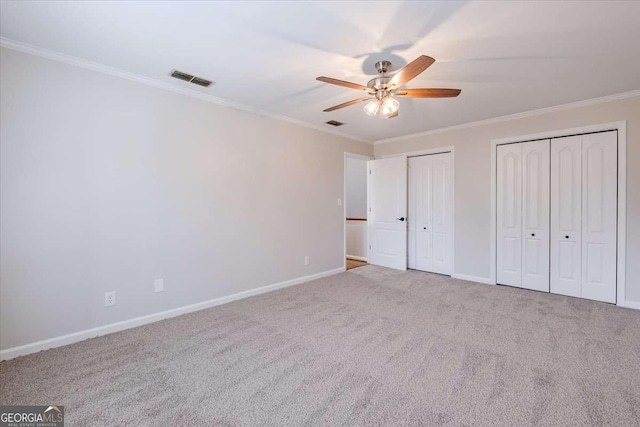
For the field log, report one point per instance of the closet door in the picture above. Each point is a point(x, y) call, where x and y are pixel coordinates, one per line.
point(431, 213)
point(411, 211)
point(535, 215)
point(599, 215)
point(442, 214)
point(422, 182)
point(509, 215)
point(566, 215)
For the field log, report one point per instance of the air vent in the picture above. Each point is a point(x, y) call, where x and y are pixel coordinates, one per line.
point(182, 76)
point(191, 79)
point(334, 123)
point(201, 82)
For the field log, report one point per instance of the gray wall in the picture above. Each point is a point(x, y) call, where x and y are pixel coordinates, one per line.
point(356, 196)
point(108, 184)
point(473, 175)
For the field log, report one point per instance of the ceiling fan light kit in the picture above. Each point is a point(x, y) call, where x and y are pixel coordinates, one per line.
point(372, 107)
point(383, 89)
point(390, 106)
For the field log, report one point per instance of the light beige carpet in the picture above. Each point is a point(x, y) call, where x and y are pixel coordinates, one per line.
point(366, 347)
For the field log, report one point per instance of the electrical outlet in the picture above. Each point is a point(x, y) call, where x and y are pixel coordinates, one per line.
point(339, 202)
point(159, 285)
point(109, 298)
point(306, 260)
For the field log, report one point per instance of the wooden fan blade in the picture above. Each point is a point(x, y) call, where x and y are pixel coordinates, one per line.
point(346, 104)
point(341, 83)
point(429, 93)
point(411, 70)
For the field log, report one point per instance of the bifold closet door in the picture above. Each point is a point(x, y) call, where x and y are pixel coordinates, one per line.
point(509, 215)
point(535, 215)
point(584, 216)
point(566, 215)
point(523, 215)
point(420, 213)
point(442, 214)
point(431, 213)
point(599, 218)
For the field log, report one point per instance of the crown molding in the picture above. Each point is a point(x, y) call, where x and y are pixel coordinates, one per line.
point(71, 60)
point(116, 72)
point(516, 116)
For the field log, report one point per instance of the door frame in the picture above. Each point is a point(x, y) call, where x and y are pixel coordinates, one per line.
point(426, 152)
point(621, 127)
point(344, 200)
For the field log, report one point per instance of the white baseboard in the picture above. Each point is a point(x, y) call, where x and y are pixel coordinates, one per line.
point(631, 304)
point(628, 304)
point(75, 337)
point(483, 280)
point(357, 258)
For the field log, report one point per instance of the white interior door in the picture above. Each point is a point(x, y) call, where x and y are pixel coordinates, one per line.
point(509, 215)
point(599, 215)
point(421, 212)
point(566, 215)
point(430, 213)
point(442, 213)
point(387, 212)
point(419, 224)
point(535, 215)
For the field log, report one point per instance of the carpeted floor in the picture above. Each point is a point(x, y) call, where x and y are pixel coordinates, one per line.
point(370, 346)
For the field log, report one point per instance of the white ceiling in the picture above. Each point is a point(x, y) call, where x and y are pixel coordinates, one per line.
point(507, 57)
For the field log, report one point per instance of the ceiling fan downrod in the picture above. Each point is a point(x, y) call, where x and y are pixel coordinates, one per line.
point(380, 83)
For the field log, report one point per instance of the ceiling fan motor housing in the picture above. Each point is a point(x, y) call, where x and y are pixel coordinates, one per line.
point(380, 84)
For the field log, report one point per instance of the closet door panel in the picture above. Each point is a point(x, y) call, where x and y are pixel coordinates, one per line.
point(424, 212)
point(442, 204)
point(599, 216)
point(509, 215)
point(566, 213)
point(412, 212)
point(535, 215)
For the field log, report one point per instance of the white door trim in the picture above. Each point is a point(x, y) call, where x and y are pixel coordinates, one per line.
point(344, 200)
point(621, 127)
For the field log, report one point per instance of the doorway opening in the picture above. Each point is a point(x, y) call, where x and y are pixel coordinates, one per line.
point(355, 210)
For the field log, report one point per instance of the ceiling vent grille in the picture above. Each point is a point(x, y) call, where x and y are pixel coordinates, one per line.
point(334, 123)
point(190, 78)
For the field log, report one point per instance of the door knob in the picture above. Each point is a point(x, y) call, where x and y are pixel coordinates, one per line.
point(533, 234)
point(424, 228)
point(400, 219)
point(566, 237)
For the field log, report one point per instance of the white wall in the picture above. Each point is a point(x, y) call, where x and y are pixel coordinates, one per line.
point(473, 174)
point(108, 184)
point(356, 196)
point(357, 240)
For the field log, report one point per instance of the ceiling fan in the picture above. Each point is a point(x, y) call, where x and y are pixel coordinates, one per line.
point(382, 90)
